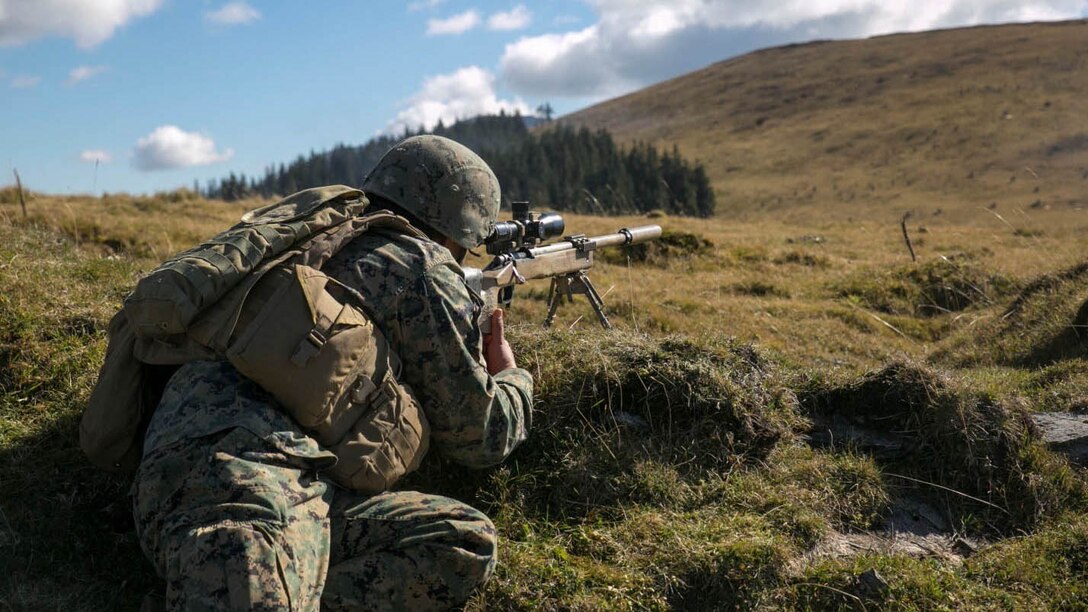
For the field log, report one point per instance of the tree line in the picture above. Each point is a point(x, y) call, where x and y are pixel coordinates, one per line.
point(558, 168)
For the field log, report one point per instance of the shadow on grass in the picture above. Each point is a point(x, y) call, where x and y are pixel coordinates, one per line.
point(67, 541)
point(1070, 342)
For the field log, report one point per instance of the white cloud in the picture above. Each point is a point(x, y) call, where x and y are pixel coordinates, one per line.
point(462, 94)
point(458, 24)
point(637, 42)
point(867, 17)
point(171, 147)
point(575, 63)
point(420, 5)
point(515, 19)
point(99, 156)
point(82, 73)
point(233, 13)
point(88, 22)
point(24, 81)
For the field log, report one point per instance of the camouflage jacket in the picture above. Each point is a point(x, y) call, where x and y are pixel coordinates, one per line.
point(416, 293)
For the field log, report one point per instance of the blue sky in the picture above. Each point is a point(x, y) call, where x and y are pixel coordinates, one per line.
point(165, 92)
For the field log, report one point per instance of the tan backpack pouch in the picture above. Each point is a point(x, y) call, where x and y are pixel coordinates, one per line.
point(108, 432)
point(302, 345)
point(388, 442)
point(319, 357)
point(112, 427)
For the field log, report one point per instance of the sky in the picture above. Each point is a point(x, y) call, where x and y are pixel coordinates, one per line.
point(148, 95)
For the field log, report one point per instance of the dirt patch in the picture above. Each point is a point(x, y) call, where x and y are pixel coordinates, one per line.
point(915, 528)
point(943, 547)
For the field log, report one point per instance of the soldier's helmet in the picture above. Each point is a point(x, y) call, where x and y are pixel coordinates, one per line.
point(443, 183)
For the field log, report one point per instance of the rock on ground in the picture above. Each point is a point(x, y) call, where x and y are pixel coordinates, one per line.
point(1065, 433)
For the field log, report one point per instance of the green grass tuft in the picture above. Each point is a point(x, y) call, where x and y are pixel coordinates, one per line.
point(977, 451)
point(1045, 324)
point(944, 285)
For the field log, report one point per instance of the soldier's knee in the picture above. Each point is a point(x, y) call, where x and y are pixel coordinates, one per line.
point(478, 542)
point(418, 551)
point(477, 532)
point(227, 565)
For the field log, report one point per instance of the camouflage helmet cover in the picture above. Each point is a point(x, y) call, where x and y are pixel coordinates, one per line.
point(443, 183)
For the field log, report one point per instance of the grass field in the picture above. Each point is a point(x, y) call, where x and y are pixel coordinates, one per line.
point(679, 461)
point(792, 412)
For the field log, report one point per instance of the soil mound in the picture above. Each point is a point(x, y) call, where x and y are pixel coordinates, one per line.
point(948, 284)
point(621, 417)
point(1045, 324)
point(925, 428)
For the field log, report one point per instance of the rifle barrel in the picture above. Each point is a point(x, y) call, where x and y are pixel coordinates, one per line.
point(625, 236)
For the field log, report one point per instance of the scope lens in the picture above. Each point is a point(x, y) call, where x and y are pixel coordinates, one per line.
point(549, 225)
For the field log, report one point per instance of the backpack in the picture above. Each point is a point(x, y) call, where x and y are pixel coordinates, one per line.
point(255, 295)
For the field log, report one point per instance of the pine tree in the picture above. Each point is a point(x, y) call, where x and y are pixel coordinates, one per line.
point(561, 168)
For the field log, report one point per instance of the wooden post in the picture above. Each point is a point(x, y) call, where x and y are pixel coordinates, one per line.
point(19, 190)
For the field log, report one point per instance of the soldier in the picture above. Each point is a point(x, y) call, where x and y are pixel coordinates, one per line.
point(229, 499)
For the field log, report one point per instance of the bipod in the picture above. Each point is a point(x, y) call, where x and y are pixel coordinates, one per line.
point(565, 287)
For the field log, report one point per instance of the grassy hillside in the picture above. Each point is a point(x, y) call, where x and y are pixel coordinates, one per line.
point(955, 121)
point(792, 413)
point(788, 416)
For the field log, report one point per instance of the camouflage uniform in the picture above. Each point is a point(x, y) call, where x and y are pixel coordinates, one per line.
point(230, 503)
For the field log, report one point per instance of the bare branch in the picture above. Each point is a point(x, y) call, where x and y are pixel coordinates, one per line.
point(906, 236)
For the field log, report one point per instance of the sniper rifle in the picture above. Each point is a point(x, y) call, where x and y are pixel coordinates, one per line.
point(518, 257)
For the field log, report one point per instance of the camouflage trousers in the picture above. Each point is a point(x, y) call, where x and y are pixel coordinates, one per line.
point(233, 523)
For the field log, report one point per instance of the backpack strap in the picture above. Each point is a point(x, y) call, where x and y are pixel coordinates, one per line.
point(215, 327)
point(317, 251)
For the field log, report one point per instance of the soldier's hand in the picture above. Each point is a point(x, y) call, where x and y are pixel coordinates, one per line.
point(497, 352)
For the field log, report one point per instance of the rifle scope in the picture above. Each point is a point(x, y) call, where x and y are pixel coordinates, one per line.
point(526, 229)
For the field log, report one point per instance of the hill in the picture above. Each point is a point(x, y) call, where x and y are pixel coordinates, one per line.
point(950, 120)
